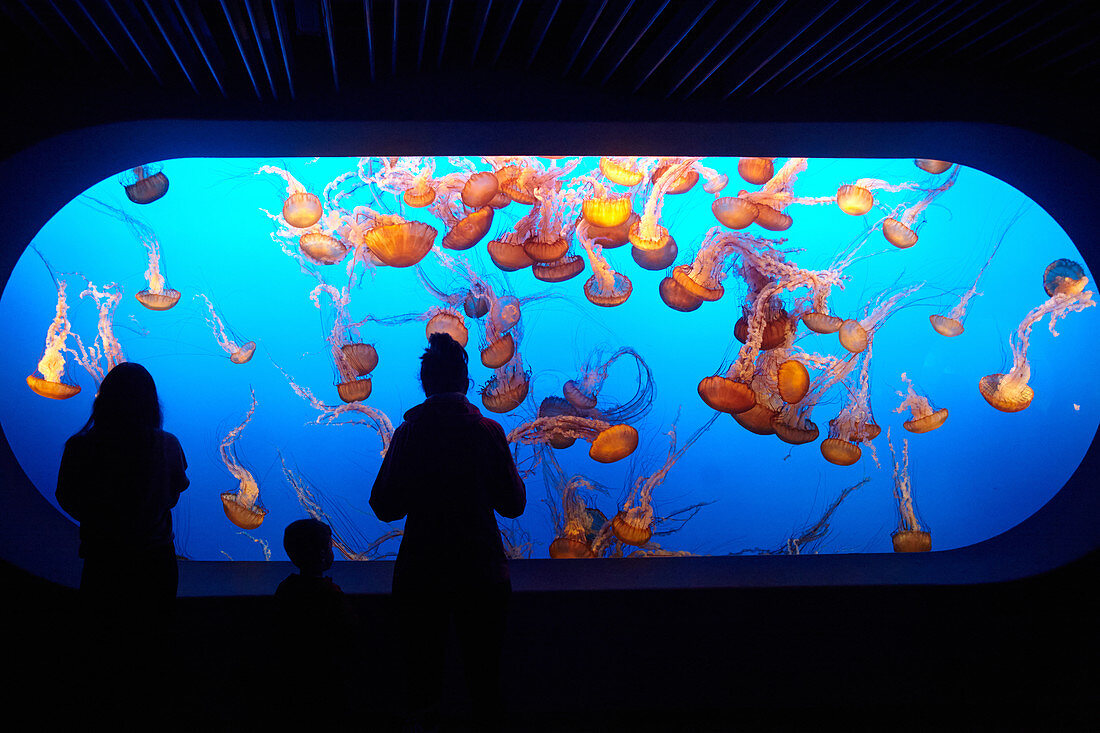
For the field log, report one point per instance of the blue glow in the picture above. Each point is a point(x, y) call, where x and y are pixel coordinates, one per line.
point(979, 475)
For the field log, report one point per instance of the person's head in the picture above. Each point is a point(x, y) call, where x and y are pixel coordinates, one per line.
point(127, 401)
point(443, 367)
point(308, 544)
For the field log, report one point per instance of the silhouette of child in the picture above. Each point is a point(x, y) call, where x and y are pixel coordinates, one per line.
point(318, 629)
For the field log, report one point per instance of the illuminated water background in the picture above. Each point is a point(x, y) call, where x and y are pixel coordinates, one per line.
point(980, 474)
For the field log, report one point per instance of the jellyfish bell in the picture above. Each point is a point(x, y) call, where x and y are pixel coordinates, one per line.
point(480, 189)
point(659, 240)
point(656, 259)
point(614, 443)
point(511, 184)
point(1064, 277)
point(772, 219)
point(476, 305)
point(898, 234)
point(144, 184)
point(611, 237)
point(243, 354)
point(683, 183)
point(821, 322)
point(577, 396)
point(756, 171)
point(564, 269)
point(607, 212)
point(245, 517)
point(794, 434)
point(793, 379)
point(624, 174)
point(927, 423)
point(450, 324)
point(504, 395)
point(161, 301)
point(400, 245)
point(499, 352)
point(629, 530)
point(775, 330)
point(302, 210)
point(555, 407)
point(617, 295)
point(758, 419)
point(681, 274)
point(853, 336)
point(322, 248)
point(545, 250)
point(931, 165)
point(840, 452)
point(508, 312)
point(570, 548)
point(508, 256)
point(419, 195)
point(676, 297)
point(52, 390)
point(734, 212)
point(1006, 392)
point(355, 390)
point(469, 230)
point(726, 395)
point(362, 358)
point(911, 540)
point(854, 200)
point(945, 325)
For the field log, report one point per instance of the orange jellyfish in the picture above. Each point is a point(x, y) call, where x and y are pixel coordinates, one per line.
point(770, 201)
point(606, 287)
point(951, 323)
point(352, 359)
point(241, 506)
point(910, 536)
point(145, 183)
point(238, 353)
point(818, 319)
point(507, 388)
point(792, 423)
point(931, 165)
point(756, 171)
point(53, 383)
point(448, 321)
point(925, 417)
point(623, 171)
point(648, 236)
point(158, 296)
point(855, 335)
point(409, 177)
point(855, 424)
point(360, 413)
point(634, 523)
point(1064, 277)
point(575, 522)
point(1010, 392)
point(900, 227)
point(301, 209)
point(400, 243)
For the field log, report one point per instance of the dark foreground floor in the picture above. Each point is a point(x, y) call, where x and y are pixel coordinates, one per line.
point(1015, 656)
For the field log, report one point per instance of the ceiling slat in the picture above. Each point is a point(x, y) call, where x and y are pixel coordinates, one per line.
point(202, 51)
point(781, 48)
point(737, 46)
point(171, 47)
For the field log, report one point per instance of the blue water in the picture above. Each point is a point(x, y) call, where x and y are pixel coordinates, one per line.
point(980, 474)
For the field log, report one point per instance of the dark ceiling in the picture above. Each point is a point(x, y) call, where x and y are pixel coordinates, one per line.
point(71, 63)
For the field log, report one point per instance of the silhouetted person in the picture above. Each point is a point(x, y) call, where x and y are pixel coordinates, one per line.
point(317, 633)
point(120, 476)
point(447, 469)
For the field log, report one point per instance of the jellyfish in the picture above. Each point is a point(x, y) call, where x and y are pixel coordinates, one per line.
point(241, 506)
point(951, 323)
point(910, 536)
point(238, 353)
point(53, 383)
point(766, 206)
point(144, 184)
point(105, 351)
point(353, 359)
point(925, 417)
point(930, 165)
point(466, 224)
point(582, 393)
point(606, 288)
point(1063, 277)
point(301, 209)
point(855, 335)
point(648, 236)
point(792, 423)
point(332, 414)
point(347, 538)
point(507, 388)
point(1010, 392)
point(756, 171)
point(609, 443)
point(854, 424)
point(900, 227)
point(634, 523)
point(411, 178)
point(623, 171)
point(400, 243)
point(572, 517)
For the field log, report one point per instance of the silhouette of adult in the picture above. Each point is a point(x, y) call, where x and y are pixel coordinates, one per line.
point(447, 469)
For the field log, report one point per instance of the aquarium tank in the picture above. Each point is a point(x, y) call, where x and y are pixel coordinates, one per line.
point(689, 356)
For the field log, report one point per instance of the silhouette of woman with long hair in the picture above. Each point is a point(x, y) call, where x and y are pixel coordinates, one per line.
point(120, 476)
point(447, 470)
